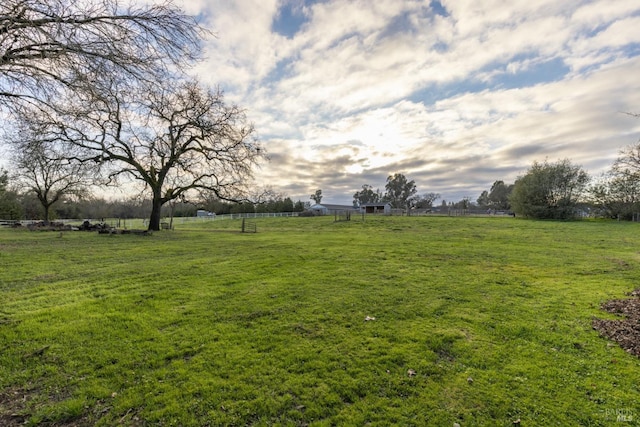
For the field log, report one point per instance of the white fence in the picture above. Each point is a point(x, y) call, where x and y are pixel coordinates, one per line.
point(186, 219)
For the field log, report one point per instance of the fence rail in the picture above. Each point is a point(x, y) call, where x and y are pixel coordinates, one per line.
point(128, 222)
point(248, 226)
point(235, 216)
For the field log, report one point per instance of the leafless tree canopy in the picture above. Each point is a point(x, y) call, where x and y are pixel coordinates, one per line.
point(50, 45)
point(628, 163)
point(44, 166)
point(617, 193)
point(175, 141)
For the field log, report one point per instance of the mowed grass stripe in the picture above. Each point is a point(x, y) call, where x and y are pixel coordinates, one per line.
point(205, 325)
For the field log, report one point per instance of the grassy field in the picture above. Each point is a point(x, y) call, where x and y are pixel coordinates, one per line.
point(477, 321)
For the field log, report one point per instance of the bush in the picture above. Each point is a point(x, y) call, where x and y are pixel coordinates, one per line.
point(549, 191)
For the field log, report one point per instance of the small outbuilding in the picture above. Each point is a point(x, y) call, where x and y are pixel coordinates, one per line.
point(203, 213)
point(330, 209)
point(376, 208)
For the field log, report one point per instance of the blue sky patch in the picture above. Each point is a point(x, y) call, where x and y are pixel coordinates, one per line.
point(288, 21)
point(439, 9)
point(552, 70)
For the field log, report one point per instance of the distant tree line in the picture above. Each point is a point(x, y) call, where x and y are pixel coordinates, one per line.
point(563, 190)
point(275, 204)
point(497, 198)
point(547, 190)
point(17, 205)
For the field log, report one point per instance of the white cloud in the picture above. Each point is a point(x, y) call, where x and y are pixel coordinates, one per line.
point(592, 15)
point(619, 34)
point(366, 87)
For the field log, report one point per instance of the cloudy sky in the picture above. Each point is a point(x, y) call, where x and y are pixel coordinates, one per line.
point(454, 94)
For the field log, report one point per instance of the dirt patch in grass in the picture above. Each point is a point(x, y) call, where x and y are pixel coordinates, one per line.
point(12, 405)
point(14, 410)
point(626, 332)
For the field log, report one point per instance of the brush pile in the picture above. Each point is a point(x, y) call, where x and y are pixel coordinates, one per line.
point(626, 331)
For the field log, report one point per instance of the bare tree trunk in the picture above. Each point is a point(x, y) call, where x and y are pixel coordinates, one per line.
point(46, 207)
point(156, 212)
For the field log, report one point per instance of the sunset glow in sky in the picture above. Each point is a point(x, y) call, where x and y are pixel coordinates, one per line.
point(455, 94)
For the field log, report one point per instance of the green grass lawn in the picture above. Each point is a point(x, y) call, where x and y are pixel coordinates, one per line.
point(478, 321)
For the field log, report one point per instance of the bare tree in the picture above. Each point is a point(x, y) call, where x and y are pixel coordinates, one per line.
point(176, 142)
point(49, 178)
point(618, 191)
point(616, 195)
point(51, 46)
point(628, 161)
point(45, 167)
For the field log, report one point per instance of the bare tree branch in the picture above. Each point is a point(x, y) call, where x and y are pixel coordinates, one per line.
point(49, 46)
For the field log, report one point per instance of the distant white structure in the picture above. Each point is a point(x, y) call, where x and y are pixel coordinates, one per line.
point(376, 208)
point(203, 213)
point(330, 209)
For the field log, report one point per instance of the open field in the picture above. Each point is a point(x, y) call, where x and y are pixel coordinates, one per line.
point(478, 321)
